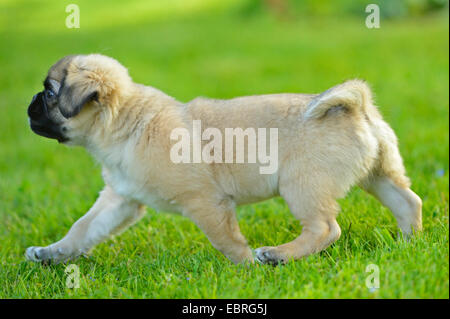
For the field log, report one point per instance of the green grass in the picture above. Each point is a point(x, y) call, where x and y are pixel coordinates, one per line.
point(212, 50)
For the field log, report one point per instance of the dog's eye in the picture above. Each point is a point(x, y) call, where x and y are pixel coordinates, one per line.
point(49, 94)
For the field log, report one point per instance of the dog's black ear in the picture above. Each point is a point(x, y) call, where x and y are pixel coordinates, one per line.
point(73, 96)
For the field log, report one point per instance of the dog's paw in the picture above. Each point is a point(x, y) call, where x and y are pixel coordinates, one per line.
point(38, 254)
point(49, 254)
point(269, 255)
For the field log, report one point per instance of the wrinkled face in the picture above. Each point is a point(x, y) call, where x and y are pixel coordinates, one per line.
point(44, 116)
point(76, 90)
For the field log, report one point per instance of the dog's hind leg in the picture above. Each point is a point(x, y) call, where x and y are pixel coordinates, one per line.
point(110, 215)
point(400, 199)
point(317, 213)
point(390, 185)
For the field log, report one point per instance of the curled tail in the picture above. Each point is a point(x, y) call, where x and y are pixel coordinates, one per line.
point(353, 96)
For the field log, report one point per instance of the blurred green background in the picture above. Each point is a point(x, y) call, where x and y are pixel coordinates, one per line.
point(223, 49)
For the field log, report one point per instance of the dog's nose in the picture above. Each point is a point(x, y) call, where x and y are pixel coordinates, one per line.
point(35, 109)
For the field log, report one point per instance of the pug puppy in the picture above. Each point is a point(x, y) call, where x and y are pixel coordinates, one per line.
point(326, 143)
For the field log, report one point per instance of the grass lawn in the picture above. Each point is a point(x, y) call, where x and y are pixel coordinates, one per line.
point(211, 50)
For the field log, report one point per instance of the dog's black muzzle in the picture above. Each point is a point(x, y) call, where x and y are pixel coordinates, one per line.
point(40, 121)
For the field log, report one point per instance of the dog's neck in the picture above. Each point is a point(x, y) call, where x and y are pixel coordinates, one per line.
point(112, 145)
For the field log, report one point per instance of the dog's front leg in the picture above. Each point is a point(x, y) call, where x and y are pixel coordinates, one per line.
point(218, 221)
point(109, 215)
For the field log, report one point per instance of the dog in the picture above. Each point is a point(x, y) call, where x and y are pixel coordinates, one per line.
point(326, 143)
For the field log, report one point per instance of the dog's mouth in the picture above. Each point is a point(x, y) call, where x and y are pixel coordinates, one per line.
point(47, 132)
point(40, 122)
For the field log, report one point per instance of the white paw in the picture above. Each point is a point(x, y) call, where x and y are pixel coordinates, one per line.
point(268, 255)
point(33, 253)
point(50, 254)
